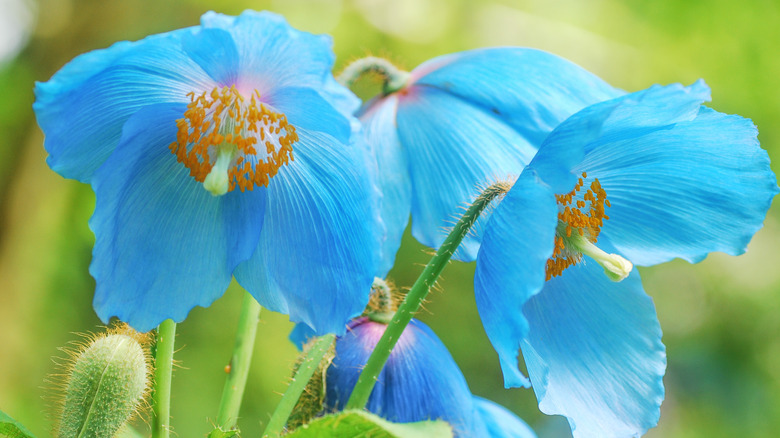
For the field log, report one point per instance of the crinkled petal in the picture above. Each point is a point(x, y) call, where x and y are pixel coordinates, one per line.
point(594, 352)
point(687, 186)
point(163, 243)
point(272, 54)
point(391, 175)
point(500, 422)
point(82, 108)
point(320, 241)
point(420, 380)
point(517, 242)
point(453, 149)
point(640, 113)
point(530, 90)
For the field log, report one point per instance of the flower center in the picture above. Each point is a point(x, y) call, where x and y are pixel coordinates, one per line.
point(580, 218)
point(227, 142)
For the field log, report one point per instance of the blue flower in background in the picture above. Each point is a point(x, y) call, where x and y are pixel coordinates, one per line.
point(419, 382)
point(461, 121)
point(217, 150)
point(640, 179)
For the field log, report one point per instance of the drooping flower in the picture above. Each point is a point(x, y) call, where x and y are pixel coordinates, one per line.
point(460, 121)
point(419, 382)
point(640, 179)
point(217, 150)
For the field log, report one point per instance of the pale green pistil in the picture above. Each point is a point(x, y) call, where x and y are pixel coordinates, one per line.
point(217, 181)
point(615, 266)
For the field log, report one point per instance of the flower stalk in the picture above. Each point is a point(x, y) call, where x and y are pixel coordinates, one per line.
point(163, 368)
point(240, 362)
point(416, 296)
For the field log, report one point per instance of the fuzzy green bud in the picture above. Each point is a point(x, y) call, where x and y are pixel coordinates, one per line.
point(310, 402)
point(105, 386)
point(383, 301)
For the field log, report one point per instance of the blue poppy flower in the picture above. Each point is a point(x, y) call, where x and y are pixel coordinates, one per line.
point(461, 121)
point(640, 179)
point(419, 382)
point(217, 150)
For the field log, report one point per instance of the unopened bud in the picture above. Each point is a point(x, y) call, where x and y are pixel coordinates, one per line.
point(105, 385)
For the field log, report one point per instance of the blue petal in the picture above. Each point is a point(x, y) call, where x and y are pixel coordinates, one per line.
point(419, 382)
point(307, 109)
point(391, 175)
point(300, 335)
point(530, 90)
point(656, 106)
point(163, 243)
point(320, 241)
point(453, 148)
point(215, 52)
point(340, 96)
point(644, 112)
point(287, 66)
point(517, 242)
point(684, 185)
point(82, 108)
point(500, 422)
point(594, 352)
point(272, 54)
point(564, 148)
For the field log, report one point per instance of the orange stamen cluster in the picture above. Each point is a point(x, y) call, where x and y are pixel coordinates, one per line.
point(221, 118)
point(584, 216)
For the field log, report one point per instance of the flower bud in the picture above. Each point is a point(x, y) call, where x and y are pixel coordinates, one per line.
point(105, 384)
point(420, 381)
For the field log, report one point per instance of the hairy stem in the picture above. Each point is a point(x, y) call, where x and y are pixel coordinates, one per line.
point(395, 78)
point(415, 297)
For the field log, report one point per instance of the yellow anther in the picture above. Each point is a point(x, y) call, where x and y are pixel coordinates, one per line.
point(221, 124)
point(583, 212)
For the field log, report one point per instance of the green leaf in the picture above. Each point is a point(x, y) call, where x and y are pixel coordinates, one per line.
point(361, 423)
point(12, 428)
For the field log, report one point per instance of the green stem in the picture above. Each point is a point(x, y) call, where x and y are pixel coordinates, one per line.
point(307, 368)
point(395, 78)
point(163, 367)
point(418, 292)
point(233, 391)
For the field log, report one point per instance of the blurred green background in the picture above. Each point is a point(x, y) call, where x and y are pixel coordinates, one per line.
point(720, 317)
